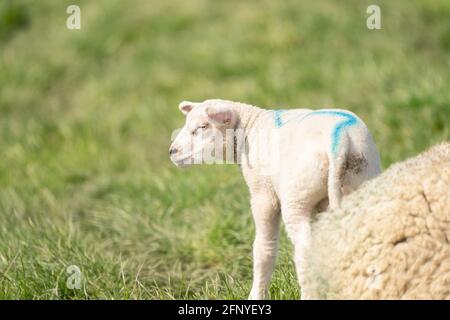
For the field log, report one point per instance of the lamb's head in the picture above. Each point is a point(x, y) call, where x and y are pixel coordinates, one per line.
point(203, 139)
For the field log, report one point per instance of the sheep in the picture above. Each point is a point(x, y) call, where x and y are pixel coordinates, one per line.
point(390, 238)
point(295, 162)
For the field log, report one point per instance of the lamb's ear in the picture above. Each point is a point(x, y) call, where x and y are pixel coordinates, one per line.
point(186, 107)
point(221, 115)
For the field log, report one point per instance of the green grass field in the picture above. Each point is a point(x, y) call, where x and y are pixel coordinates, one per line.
point(86, 118)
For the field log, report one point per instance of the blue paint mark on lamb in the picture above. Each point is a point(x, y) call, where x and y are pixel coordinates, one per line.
point(348, 120)
point(277, 118)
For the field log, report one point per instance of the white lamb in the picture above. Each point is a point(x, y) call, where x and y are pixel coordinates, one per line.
point(294, 162)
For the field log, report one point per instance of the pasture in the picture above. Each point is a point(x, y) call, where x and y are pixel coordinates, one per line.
point(86, 118)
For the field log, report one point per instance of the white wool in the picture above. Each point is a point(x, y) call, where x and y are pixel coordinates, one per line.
point(390, 238)
point(294, 163)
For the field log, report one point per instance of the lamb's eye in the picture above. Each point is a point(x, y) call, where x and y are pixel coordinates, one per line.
point(199, 127)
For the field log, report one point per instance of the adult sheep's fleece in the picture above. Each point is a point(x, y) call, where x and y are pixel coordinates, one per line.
point(390, 238)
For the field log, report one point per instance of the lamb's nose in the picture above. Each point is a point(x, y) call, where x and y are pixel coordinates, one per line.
point(173, 151)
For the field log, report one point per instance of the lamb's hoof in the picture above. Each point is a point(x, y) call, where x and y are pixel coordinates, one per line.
point(257, 295)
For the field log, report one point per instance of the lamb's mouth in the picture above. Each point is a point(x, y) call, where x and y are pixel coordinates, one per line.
point(180, 160)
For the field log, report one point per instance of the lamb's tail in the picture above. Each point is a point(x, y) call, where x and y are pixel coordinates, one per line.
point(337, 158)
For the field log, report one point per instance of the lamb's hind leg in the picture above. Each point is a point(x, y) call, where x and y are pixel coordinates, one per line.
point(297, 222)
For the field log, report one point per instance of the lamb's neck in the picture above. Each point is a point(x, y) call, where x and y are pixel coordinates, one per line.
point(250, 119)
point(248, 116)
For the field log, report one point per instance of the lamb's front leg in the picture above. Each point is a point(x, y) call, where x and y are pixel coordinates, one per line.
point(267, 220)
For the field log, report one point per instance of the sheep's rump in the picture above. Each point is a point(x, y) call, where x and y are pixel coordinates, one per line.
point(390, 238)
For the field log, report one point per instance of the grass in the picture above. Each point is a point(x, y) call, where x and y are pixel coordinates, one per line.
point(86, 118)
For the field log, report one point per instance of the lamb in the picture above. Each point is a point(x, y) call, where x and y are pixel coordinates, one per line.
point(390, 238)
point(295, 162)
